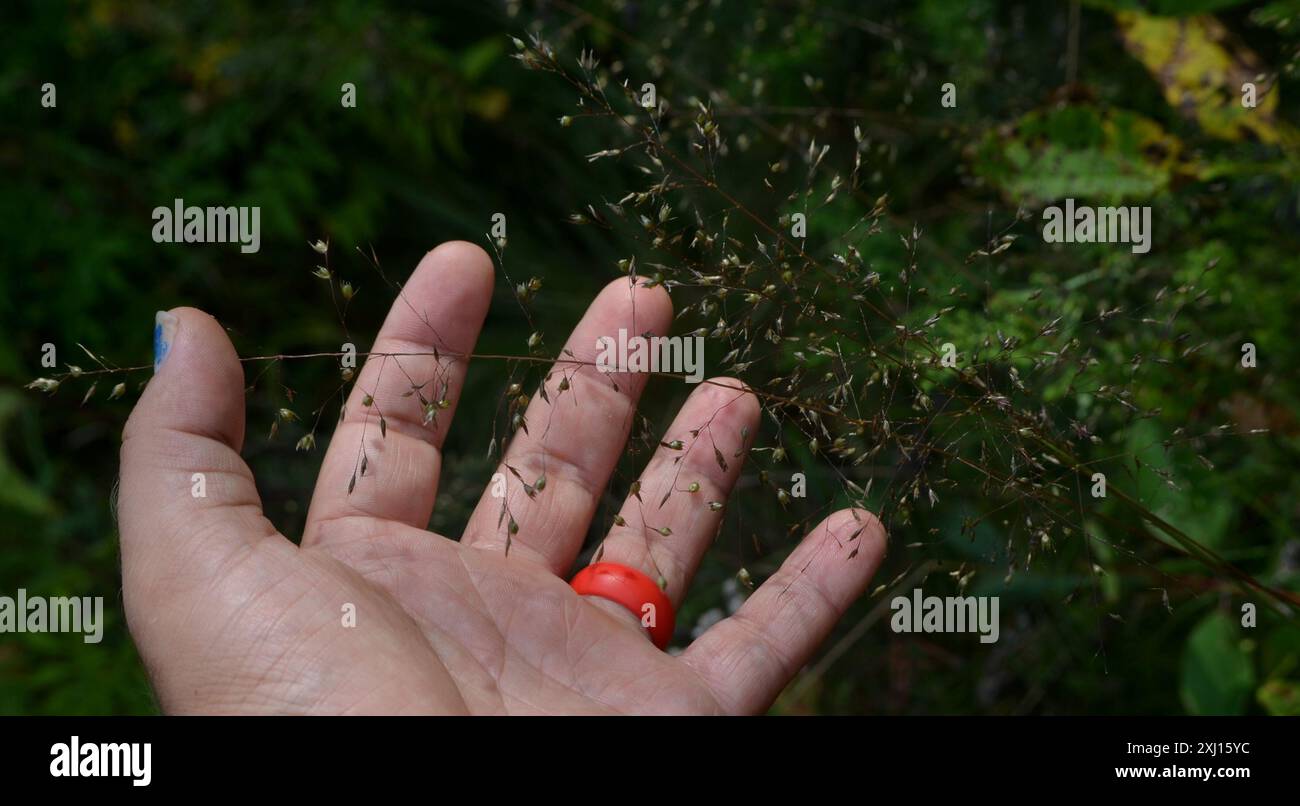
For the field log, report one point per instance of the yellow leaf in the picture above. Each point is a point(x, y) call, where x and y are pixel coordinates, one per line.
point(1202, 73)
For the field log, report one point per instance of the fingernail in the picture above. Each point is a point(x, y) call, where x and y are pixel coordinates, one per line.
point(164, 334)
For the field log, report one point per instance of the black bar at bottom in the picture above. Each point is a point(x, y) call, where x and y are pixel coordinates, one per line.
point(738, 758)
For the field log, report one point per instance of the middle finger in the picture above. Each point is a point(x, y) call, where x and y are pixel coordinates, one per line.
point(572, 438)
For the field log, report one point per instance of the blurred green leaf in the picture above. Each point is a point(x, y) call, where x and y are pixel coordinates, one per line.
point(1176, 491)
point(1079, 151)
point(1217, 675)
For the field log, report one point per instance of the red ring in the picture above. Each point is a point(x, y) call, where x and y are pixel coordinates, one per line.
point(635, 591)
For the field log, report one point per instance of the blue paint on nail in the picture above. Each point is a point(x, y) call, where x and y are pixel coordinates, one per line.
point(164, 333)
point(160, 347)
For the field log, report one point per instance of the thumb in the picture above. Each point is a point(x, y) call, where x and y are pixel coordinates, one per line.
point(187, 501)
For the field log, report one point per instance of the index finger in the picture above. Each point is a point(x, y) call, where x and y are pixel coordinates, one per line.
point(385, 455)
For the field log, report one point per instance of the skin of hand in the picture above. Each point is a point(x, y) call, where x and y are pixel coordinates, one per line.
point(230, 616)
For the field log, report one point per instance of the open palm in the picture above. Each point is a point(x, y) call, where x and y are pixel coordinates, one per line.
point(374, 614)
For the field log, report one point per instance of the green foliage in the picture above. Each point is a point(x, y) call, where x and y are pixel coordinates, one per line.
point(1079, 151)
point(1218, 675)
point(1128, 364)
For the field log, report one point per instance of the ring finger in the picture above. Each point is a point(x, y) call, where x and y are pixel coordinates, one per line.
point(667, 524)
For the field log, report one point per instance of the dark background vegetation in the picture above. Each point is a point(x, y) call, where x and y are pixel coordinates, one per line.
point(238, 104)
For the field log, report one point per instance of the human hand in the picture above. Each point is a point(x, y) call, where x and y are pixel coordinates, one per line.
point(230, 616)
